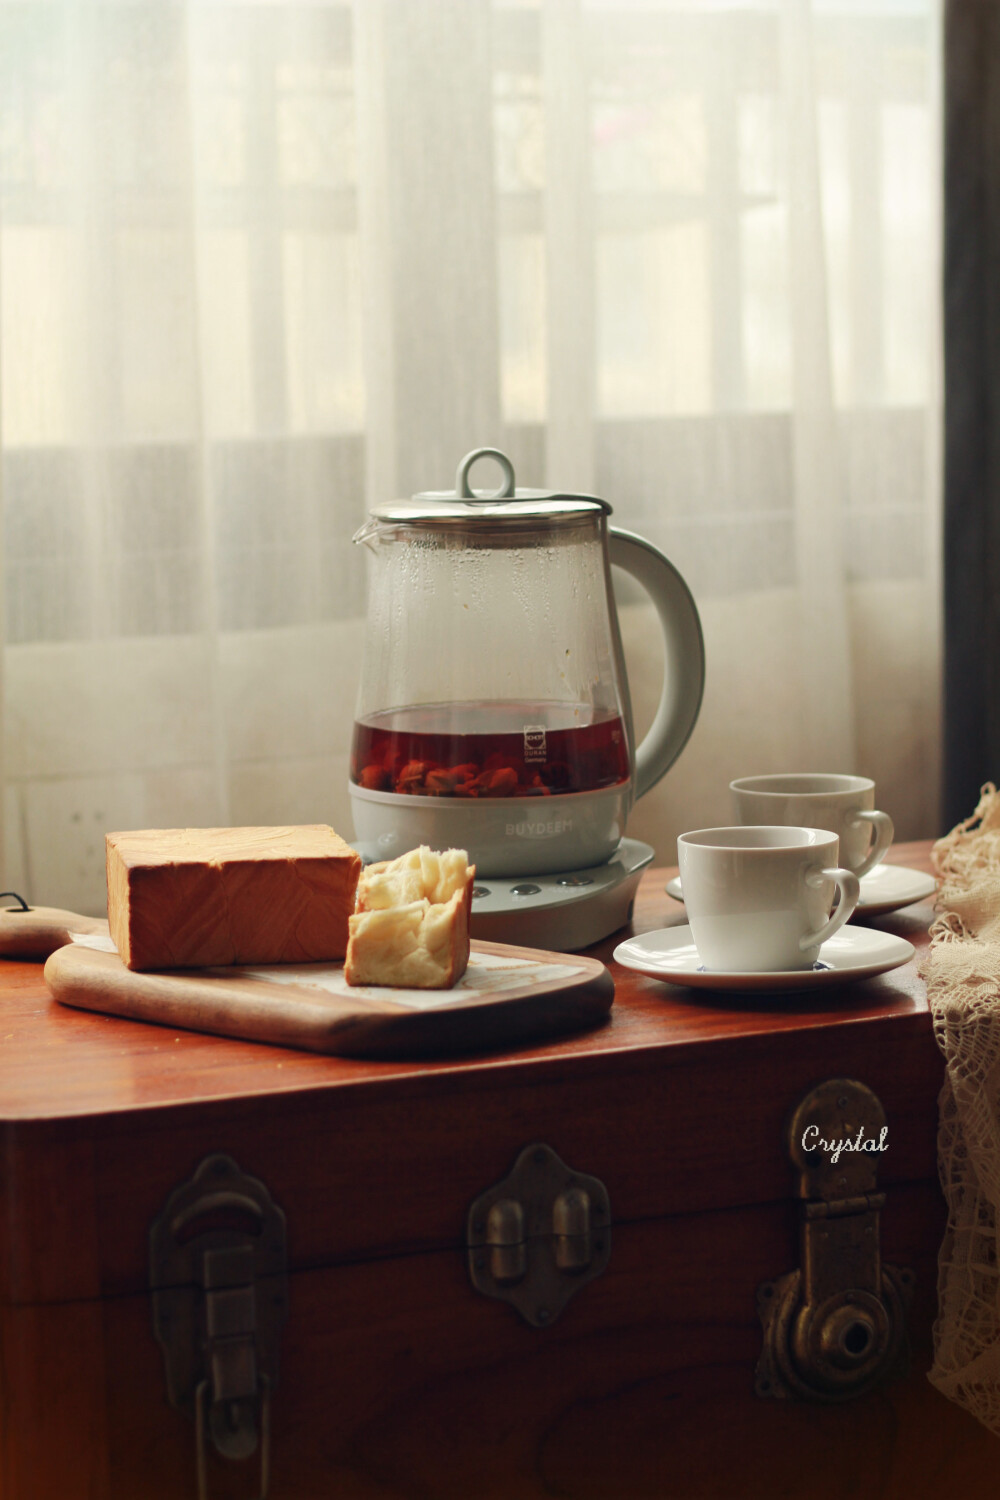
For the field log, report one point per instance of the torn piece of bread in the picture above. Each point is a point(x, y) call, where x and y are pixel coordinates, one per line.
point(411, 927)
point(194, 897)
point(423, 874)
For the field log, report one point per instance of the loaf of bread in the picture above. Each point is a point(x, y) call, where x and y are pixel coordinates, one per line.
point(411, 927)
point(192, 897)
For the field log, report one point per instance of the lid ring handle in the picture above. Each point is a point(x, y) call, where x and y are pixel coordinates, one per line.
point(465, 491)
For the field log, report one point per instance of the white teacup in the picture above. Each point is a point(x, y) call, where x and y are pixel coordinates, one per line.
point(844, 804)
point(758, 899)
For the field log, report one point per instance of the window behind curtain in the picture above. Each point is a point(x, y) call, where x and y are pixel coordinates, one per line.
point(259, 262)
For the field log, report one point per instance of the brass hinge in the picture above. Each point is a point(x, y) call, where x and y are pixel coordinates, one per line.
point(538, 1236)
point(836, 1327)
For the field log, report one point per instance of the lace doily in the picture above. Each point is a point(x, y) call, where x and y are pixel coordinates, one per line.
point(962, 972)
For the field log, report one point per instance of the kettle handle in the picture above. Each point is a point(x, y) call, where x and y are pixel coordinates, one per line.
point(684, 669)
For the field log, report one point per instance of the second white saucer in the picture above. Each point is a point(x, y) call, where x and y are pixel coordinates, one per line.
point(884, 889)
point(851, 954)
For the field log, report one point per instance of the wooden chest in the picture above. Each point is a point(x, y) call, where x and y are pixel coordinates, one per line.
point(395, 1376)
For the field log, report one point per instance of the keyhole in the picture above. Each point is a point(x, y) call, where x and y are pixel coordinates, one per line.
point(856, 1339)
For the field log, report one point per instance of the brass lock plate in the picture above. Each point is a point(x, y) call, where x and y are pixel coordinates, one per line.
point(836, 1327)
point(220, 1297)
point(538, 1236)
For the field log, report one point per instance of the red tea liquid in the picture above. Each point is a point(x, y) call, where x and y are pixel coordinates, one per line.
point(508, 750)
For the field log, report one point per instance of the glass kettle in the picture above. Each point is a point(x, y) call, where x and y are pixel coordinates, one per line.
point(493, 709)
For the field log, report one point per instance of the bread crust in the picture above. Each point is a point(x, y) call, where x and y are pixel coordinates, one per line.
point(206, 897)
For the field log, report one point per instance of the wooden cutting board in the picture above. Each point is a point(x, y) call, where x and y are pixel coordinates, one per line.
point(33, 932)
point(507, 994)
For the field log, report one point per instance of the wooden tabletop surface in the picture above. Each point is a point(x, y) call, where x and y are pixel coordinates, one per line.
point(57, 1063)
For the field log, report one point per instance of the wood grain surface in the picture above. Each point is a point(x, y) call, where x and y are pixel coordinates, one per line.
point(57, 1063)
point(354, 1023)
point(398, 1381)
point(38, 931)
point(95, 1101)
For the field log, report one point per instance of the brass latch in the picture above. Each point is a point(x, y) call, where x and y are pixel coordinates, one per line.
point(538, 1236)
point(836, 1327)
point(217, 1275)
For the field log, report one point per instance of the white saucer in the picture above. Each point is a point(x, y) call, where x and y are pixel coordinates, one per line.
point(884, 889)
point(852, 953)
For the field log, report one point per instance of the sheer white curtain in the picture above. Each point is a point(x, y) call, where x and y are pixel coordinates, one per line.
point(264, 263)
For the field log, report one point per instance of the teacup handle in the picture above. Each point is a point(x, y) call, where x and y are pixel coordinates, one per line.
point(849, 887)
point(883, 838)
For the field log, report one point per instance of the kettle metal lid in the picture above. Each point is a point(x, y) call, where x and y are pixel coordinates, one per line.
point(464, 505)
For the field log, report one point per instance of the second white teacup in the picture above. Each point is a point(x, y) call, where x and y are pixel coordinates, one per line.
point(758, 899)
point(844, 804)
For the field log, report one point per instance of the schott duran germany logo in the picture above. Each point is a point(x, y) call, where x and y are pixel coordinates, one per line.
point(535, 751)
